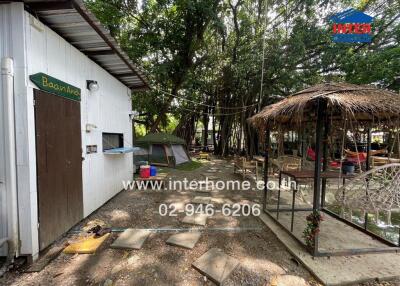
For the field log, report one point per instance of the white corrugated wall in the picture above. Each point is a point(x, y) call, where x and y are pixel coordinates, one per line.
point(3, 51)
point(12, 44)
point(35, 50)
point(108, 109)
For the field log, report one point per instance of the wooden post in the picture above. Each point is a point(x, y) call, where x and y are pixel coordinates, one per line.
point(266, 163)
point(321, 112)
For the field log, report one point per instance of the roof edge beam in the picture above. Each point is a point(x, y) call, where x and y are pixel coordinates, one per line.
point(50, 6)
point(104, 37)
point(99, 53)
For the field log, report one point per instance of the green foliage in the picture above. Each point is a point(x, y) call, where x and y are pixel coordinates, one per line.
point(210, 51)
point(190, 166)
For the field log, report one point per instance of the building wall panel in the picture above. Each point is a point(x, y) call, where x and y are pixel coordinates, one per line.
point(108, 109)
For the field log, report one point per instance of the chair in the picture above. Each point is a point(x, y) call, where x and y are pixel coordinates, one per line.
point(287, 163)
point(241, 163)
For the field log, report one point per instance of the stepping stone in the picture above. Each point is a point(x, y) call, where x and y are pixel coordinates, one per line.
point(203, 191)
point(210, 177)
point(184, 239)
point(179, 206)
point(221, 201)
point(216, 265)
point(131, 239)
point(288, 280)
point(201, 200)
point(197, 219)
point(246, 202)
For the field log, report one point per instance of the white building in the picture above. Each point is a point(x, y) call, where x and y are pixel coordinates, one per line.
point(55, 125)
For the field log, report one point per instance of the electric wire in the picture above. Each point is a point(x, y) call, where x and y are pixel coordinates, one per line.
point(204, 104)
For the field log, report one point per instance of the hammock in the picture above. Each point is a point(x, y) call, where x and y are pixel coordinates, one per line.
point(371, 152)
point(311, 154)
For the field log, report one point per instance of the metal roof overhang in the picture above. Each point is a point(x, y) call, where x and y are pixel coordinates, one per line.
point(72, 21)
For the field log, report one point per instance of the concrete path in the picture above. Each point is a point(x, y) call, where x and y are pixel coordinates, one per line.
point(201, 200)
point(340, 270)
point(197, 219)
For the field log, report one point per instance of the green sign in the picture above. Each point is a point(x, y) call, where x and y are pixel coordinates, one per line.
point(56, 86)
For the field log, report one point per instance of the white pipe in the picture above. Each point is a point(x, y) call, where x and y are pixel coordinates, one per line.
point(7, 75)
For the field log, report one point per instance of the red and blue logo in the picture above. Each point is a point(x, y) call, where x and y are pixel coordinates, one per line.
point(351, 26)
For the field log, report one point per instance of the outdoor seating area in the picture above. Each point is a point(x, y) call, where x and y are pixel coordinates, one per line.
point(345, 188)
point(189, 143)
point(245, 167)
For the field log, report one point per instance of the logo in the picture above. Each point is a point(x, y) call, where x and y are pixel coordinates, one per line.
point(351, 26)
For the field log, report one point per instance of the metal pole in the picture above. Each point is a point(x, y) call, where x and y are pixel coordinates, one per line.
point(10, 182)
point(321, 110)
point(325, 157)
point(368, 166)
point(293, 205)
point(266, 164)
point(279, 195)
point(399, 236)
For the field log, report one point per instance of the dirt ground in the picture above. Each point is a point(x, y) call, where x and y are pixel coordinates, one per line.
point(259, 252)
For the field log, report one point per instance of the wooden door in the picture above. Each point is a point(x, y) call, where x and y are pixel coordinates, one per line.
point(59, 165)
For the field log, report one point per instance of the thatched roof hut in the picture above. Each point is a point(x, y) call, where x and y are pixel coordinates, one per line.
point(361, 103)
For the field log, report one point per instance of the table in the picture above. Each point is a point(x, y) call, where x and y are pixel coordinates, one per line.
point(303, 175)
point(259, 158)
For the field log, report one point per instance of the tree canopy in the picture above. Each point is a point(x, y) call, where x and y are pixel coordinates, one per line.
point(205, 61)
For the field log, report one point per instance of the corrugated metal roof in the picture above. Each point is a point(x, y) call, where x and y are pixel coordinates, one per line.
point(75, 23)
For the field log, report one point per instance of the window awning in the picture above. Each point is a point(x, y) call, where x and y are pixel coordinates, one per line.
point(122, 150)
point(77, 25)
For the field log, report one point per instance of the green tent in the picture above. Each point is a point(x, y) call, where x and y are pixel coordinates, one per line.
point(164, 149)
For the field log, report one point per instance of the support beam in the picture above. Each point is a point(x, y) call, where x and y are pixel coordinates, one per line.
point(89, 20)
point(321, 113)
point(325, 156)
point(49, 5)
point(99, 53)
point(367, 167)
point(124, 74)
point(266, 164)
point(368, 163)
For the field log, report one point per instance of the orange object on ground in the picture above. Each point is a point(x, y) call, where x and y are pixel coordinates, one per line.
point(87, 245)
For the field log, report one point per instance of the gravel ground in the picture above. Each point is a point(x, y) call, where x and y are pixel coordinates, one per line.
point(260, 254)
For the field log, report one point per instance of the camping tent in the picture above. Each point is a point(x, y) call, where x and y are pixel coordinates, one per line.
point(164, 149)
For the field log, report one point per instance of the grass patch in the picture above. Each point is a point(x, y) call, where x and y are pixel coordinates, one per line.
point(190, 166)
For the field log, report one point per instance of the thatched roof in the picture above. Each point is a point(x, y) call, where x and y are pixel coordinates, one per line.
point(344, 100)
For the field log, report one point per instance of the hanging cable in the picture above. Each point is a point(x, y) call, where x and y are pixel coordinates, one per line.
point(207, 113)
point(203, 104)
point(263, 56)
